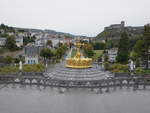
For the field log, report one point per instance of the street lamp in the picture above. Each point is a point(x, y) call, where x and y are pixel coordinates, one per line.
point(46, 66)
point(20, 66)
point(132, 66)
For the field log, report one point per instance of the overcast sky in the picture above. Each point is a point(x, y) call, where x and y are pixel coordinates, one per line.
point(80, 17)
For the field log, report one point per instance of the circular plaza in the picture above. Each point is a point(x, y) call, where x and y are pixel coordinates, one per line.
point(61, 72)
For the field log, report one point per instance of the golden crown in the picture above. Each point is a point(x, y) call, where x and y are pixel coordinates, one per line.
point(78, 62)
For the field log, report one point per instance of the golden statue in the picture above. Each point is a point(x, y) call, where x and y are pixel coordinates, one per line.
point(77, 61)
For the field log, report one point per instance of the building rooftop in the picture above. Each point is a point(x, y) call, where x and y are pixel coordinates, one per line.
point(2, 38)
point(33, 50)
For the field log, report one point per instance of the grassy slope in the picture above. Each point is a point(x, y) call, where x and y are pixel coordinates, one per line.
point(97, 54)
point(73, 53)
point(6, 52)
point(26, 68)
point(3, 50)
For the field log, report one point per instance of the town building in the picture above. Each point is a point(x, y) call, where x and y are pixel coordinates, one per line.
point(116, 26)
point(19, 41)
point(11, 33)
point(32, 53)
point(112, 54)
point(2, 41)
point(2, 31)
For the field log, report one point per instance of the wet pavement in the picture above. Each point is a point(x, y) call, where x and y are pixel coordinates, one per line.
point(32, 99)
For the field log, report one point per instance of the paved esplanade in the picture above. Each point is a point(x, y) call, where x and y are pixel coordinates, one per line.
point(32, 99)
point(59, 71)
point(90, 91)
point(69, 53)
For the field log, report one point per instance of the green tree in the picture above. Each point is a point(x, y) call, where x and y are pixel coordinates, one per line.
point(46, 53)
point(133, 40)
point(111, 43)
point(8, 60)
point(28, 39)
point(98, 46)
point(49, 43)
point(88, 50)
point(123, 50)
point(20, 58)
point(11, 43)
point(61, 51)
point(16, 60)
point(138, 49)
point(60, 44)
point(146, 44)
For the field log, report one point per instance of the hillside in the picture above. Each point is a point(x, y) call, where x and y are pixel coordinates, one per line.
point(52, 32)
point(114, 31)
point(5, 29)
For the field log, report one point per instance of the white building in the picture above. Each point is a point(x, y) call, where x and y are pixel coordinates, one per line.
point(86, 39)
point(112, 54)
point(11, 34)
point(2, 31)
point(2, 41)
point(19, 41)
point(32, 53)
point(43, 41)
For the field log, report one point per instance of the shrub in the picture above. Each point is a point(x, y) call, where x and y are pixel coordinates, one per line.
point(107, 66)
point(142, 71)
point(8, 60)
point(9, 69)
point(33, 68)
point(26, 68)
point(119, 68)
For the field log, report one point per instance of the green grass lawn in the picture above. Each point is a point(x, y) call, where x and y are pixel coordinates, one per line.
point(95, 57)
point(73, 53)
point(97, 54)
point(3, 50)
point(26, 68)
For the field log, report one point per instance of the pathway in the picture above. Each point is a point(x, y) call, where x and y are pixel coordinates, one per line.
point(69, 53)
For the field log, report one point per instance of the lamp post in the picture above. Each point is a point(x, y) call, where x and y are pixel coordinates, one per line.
point(132, 66)
point(20, 67)
point(103, 60)
point(46, 67)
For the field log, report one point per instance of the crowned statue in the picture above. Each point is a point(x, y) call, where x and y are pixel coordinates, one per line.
point(77, 61)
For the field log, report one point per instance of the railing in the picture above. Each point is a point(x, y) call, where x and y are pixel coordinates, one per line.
point(40, 80)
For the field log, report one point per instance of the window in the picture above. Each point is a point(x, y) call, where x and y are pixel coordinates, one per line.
point(31, 62)
point(28, 61)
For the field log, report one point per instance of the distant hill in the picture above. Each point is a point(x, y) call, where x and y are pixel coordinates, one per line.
point(114, 31)
point(8, 29)
point(59, 33)
point(53, 32)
